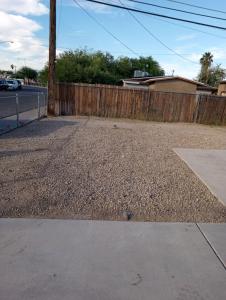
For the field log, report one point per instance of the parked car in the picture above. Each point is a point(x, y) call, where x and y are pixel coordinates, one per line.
point(12, 84)
point(19, 84)
point(3, 84)
point(21, 80)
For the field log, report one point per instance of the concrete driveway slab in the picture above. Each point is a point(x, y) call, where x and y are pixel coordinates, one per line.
point(209, 166)
point(83, 260)
point(216, 235)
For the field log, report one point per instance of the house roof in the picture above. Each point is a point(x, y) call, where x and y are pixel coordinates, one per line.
point(206, 88)
point(151, 80)
point(141, 79)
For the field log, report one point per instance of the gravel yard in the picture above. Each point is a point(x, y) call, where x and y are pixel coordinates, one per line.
point(92, 168)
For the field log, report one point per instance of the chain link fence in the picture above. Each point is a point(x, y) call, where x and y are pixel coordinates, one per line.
point(21, 108)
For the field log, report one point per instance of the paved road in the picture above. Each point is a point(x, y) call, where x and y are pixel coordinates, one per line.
point(28, 106)
point(26, 89)
point(28, 100)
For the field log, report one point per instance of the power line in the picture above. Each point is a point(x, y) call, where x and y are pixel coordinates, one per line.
point(188, 27)
point(155, 14)
point(155, 37)
point(192, 5)
point(175, 9)
point(120, 52)
point(105, 29)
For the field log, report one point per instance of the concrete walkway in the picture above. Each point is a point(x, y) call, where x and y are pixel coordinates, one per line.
point(209, 166)
point(84, 260)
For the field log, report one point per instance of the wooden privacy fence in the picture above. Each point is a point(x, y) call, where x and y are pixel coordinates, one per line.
point(143, 104)
point(211, 110)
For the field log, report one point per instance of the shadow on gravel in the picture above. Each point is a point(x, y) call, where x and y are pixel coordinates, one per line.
point(38, 128)
point(18, 152)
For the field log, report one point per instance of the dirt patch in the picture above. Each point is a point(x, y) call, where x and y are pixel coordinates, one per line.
point(106, 169)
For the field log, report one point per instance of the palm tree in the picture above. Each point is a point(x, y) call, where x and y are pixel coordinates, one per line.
point(205, 61)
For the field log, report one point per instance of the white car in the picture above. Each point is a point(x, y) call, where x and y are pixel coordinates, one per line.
point(12, 85)
point(21, 80)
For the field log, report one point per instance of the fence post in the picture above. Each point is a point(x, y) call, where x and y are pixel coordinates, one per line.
point(38, 105)
point(46, 104)
point(17, 111)
point(196, 113)
point(57, 100)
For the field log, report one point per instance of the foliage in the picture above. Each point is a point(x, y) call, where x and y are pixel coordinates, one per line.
point(216, 75)
point(26, 73)
point(99, 67)
point(43, 75)
point(209, 74)
point(6, 73)
point(205, 61)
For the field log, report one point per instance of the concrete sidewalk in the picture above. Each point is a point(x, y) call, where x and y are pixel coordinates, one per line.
point(83, 260)
point(209, 166)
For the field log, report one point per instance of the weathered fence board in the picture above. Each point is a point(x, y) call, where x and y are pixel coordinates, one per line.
point(211, 110)
point(143, 104)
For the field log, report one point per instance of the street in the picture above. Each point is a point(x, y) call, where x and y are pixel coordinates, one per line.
point(31, 105)
point(25, 89)
point(27, 100)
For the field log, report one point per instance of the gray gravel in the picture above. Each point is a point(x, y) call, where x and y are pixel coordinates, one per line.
point(118, 169)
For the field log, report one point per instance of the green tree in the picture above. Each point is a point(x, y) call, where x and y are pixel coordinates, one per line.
point(206, 62)
point(147, 64)
point(6, 73)
point(216, 74)
point(27, 73)
point(209, 74)
point(98, 67)
point(43, 75)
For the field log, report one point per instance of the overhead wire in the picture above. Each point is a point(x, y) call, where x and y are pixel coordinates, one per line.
point(142, 25)
point(156, 38)
point(196, 6)
point(155, 14)
point(178, 10)
point(188, 27)
point(105, 29)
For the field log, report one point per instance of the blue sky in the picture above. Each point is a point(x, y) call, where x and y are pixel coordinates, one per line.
point(76, 30)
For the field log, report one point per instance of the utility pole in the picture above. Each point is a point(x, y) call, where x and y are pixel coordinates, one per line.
point(52, 58)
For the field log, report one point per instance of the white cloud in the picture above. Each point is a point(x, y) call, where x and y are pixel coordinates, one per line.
point(190, 70)
point(186, 37)
point(185, 70)
point(218, 53)
point(13, 26)
point(26, 48)
point(195, 56)
point(186, 47)
point(23, 7)
point(95, 7)
point(98, 8)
